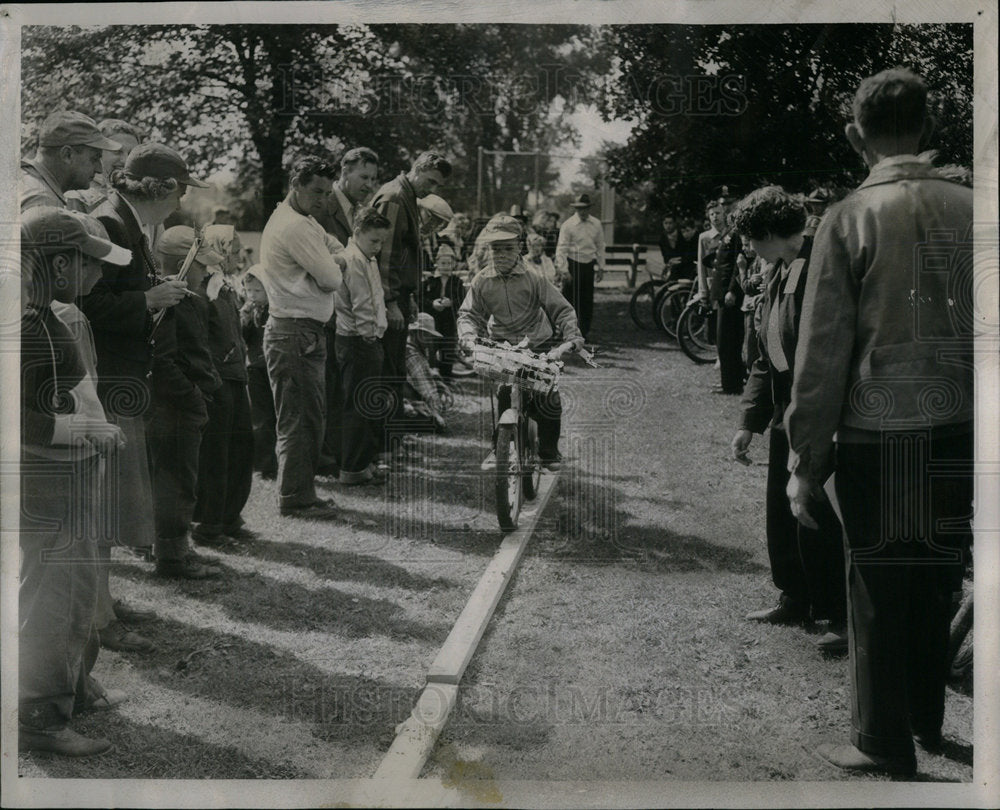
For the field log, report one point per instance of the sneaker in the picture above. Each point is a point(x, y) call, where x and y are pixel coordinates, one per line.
point(317, 510)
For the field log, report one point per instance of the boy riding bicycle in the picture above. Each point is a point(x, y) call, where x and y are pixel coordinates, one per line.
point(506, 302)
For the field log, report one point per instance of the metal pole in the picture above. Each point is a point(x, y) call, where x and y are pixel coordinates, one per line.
point(479, 185)
point(538, 196)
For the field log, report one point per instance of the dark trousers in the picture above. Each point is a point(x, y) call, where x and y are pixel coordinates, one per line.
point(225, 465)
point(361, 406)
point(751, 350)
point(332, 439)
point(906, 503)
point(546, 410)
point(265, 459)
point(57, 598)
point(174, 440)
point(579, 291)
point(394, 370)
point(729, 341)
point(807, 565)
point(295, 349)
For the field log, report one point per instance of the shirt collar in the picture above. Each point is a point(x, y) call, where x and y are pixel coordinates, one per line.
point(46, 177)
point(898, 160)
point(345, 203)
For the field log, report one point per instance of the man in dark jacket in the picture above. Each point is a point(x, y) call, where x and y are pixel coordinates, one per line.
point(885, 361)
point(727, 295)
point(400, 262)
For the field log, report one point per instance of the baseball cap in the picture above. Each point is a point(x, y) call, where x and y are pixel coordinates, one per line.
point(54, 230)
point(177, 241)
point(498, 229)
point(156, 160)
point(424, 323)
point(437, 206)
point(69, 128)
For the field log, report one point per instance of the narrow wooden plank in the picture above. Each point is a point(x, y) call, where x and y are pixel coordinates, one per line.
point(459, 647)
point(416, 738)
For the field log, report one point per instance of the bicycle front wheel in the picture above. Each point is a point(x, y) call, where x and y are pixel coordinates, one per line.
point(640, 308)
point(531, 467)
point(694, 330)
point(509, 479)
point(669, 309)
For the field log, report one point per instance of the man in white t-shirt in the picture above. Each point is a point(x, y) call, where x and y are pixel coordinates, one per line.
point(302, 271)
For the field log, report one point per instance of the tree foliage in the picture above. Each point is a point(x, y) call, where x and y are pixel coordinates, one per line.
point(746, 105)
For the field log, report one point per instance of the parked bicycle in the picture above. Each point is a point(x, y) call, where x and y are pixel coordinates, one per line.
point(696, 331)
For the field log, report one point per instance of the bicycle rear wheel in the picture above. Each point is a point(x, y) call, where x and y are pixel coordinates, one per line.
point(640, 308)
point(509, 479)
point(669, 309)
point(694, 332)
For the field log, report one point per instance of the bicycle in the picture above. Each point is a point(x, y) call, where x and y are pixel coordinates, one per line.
point(515, 443)
point(696, 331)
point(641, 306)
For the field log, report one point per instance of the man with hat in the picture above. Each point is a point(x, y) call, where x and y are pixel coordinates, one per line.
point(70, 148)
point(120, 309)
point(509, 302)
point(580, 255)
point(121, 132)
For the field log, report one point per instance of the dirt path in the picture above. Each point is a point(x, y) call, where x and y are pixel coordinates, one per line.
point(619, 651)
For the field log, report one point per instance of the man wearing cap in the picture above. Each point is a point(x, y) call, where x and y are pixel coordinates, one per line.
point(435, 214)
point(358, 176)
point(400, 262)
point(120, 309)
point(70, 147)
point(580, 255)
point(61, 450)
point(509, 302)
point(121, 132)
point(302, 271)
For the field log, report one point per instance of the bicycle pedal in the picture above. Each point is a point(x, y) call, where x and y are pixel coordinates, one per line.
point(489, 463)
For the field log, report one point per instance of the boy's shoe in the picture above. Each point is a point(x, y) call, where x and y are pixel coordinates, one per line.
point(61, 740)
point(130, 613)
point(317, 510)
point(188, 567)
point(551, 464)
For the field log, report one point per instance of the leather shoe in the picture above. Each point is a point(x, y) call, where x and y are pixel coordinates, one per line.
point(186, 568)
point(852, 759)
point(930, 741)
point(62, 741)
point(130, 613)
point(108, 699)
point(213, 540)
point(785, 612)
point(551, 464)
point(318, 510)
point(116, 636)
point(834, 642)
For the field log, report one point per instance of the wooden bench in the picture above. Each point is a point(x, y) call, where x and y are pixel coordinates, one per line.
point(627, 259)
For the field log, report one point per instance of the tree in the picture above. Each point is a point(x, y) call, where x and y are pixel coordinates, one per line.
point(747, 105)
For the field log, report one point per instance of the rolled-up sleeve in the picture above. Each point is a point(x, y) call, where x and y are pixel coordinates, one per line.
point(827, 333)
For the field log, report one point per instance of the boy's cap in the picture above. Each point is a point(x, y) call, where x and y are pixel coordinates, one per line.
point(177, 241)
point(499, 229)
point(159, 161)
point(436, 205)
point(68, 128)
point(53, 230)
point(424, 323)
